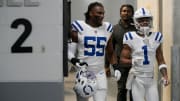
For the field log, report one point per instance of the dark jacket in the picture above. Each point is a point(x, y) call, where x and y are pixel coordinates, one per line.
point(117, 36)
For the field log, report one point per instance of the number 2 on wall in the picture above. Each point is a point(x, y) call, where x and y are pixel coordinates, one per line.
point(17, 46)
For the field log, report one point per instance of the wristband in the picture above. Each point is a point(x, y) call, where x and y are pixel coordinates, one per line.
point(162, 66)
point(115, 66)
point(74, 61)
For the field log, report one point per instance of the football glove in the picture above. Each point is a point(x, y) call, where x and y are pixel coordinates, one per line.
point(79, 64)
point(117, 73)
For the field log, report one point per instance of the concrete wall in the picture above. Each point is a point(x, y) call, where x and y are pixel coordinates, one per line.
point(176, 22)
point(33, 70)
point(79, 7)
point(167, 30)
point(175, 52)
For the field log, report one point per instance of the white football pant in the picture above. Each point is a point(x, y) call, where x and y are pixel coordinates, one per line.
point(144, 89)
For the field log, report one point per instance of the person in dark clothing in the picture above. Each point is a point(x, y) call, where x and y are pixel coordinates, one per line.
point(124, 25)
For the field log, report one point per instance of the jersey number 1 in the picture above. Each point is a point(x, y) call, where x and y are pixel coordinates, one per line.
point(146, 61)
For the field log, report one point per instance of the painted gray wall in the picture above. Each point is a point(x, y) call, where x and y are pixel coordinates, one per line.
point(79, 7)
point(176, 25)
point(32, 91)
point(175, 74)
point(34, 76)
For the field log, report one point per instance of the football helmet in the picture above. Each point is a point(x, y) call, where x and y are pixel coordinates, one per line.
point(140, 16)
point(85, 84)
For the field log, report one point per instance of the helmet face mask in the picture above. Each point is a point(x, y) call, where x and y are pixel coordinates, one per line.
point(143, 21)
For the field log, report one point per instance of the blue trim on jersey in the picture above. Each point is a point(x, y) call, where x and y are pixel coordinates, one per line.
point(109, 29)
point(156, 38)
point(74, 26)
point(79, 25)
point(160, 38)
point(143, 11)
point(126, 37)
point(130, 36)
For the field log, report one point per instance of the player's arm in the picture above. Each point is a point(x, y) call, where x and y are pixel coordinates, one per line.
point(107, 64)
point(74, 36)
point(125, 56)
point(113, 59)
point(111, 55)
point(72, 48)
point(161, 63)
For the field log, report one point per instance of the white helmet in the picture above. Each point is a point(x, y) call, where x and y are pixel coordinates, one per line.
point(85, 84)
point(143, 13)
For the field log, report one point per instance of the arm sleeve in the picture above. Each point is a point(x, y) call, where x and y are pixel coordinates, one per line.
point(72, 47)
point(159, 37)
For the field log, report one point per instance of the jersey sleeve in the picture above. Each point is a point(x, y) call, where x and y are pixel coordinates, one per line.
point(77, 26)
point(158, 37)
point(127, 39)
point(108, 27)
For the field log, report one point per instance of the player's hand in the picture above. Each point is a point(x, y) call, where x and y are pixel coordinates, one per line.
point(117, 75)
point(82, 65)
point(138, 61)
point(164, 81)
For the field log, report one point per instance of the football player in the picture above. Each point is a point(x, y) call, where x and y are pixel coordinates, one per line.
point(89, 39)
point(142, 48)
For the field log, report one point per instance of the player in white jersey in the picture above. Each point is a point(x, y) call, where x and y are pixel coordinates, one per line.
point(142, 48)
point(89, 39)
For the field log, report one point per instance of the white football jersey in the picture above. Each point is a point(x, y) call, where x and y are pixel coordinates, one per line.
point(144, 49)
point(92, 42)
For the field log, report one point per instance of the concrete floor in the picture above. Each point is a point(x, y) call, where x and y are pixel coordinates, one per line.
point(70, 95)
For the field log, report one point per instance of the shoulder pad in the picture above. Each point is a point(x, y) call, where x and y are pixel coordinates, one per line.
point(108, 26)
point(77, 26)
point(129, 35)
point(158, 36)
